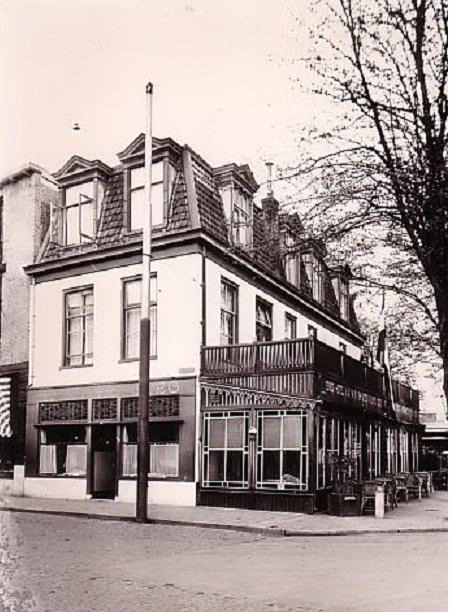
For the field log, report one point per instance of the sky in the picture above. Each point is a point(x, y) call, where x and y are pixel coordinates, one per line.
point(226, 74)
point(222, 73)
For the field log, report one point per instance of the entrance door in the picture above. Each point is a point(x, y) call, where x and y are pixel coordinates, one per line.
point(104, 461)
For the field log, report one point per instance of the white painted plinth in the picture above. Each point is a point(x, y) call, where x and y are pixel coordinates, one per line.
point(160, 492)
point(55, 488)
point(19, 479)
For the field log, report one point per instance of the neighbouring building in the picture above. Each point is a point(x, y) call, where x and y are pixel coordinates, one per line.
point(259, 391)
point(25, 197)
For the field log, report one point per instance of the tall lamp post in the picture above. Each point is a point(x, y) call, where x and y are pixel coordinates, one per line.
point(144, 337)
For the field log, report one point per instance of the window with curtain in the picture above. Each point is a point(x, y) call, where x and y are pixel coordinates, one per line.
point(79, 313)
point(131, 316)
point(63, 450)
point(228, 313)
point(164, 450)
point(263, 321)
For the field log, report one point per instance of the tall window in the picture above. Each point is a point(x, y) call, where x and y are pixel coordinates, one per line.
point(79, 312)
point(292, 267)
point(79, 216)
point(314, 272)
point(263, 321)
point(282, 450)
point(344, 299)
point(131, 316)
point(136, 196)
point(312, 332)
point(290, 327)
point(242, 219)
point(228, 313)
point(225, 449)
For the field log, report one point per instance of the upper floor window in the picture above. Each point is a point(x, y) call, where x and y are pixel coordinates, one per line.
point(79, 312)
point(292, 267)
point(290, 327)
point(344, 299)
point(314, 272)
point(241, 219)
point(131, 317)
point(312, 332)
point(228, 313)
point(136, 197)
point(79, 213)
point(263, 321)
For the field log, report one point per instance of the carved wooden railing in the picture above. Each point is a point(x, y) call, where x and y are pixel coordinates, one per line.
point(305, 365)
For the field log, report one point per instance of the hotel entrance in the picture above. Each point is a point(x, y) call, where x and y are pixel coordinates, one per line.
point(104, 461)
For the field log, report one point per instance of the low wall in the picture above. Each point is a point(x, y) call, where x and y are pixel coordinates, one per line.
point(160, 492)
point(55, 488)
point(6, 486)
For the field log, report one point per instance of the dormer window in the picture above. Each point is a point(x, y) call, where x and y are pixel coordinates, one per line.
point(79, 213)
point(136, 198)
point(342, 293)
point(314, 272)
point(241, 219)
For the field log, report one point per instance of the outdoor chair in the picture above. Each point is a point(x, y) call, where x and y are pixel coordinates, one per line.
point(427, 483)
point(368, 490)
point(414, 485)
point(389, 491)
point(401, 490)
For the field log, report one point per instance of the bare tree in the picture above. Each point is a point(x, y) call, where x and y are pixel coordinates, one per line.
point(383, 164)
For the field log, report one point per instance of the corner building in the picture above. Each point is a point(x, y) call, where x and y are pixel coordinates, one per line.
point(258, 387)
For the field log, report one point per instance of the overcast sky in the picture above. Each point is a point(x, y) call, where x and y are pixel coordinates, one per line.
point(221, 69)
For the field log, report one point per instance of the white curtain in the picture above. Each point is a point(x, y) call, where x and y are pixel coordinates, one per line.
point(129, 459)
point(76, 459)
point(47, 459)
point(164, 459)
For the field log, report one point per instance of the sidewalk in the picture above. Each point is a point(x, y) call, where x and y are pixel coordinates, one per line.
point(427, 515)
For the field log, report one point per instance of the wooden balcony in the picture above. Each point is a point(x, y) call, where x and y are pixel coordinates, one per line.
point(306, 368)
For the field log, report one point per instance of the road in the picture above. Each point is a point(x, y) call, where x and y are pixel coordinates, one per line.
point(66, 564)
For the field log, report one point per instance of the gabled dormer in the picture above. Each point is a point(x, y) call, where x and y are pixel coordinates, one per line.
point(81, 185)
point(165, 168)
point(313, 253)
point(237, 186)
point(340, 277)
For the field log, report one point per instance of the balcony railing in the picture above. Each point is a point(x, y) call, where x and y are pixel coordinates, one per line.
point(305, 364)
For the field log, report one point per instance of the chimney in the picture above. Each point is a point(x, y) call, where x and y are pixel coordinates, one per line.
point(270, 206)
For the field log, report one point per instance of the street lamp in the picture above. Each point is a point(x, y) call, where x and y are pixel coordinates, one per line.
point(144, 338)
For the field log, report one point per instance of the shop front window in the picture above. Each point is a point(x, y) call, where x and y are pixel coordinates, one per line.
point(225, 449)
point(63, 450)
point(282, 450)
point(164, 450)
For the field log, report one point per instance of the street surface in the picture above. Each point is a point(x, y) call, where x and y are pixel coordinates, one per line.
point(65, 564)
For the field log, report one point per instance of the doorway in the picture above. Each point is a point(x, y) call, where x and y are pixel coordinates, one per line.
point(104, 461)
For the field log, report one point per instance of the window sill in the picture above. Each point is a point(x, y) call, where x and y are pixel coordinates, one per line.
point(136, 359)
point(59, 476)
point(72, 367)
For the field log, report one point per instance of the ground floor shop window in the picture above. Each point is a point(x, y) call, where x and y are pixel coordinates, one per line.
point(328, 435)
point(404, 451)
point(225, 449)
point(391, 451)
point(351, 448)
point(164, 450)
point(373, 446)
point(282, 450)
point(63, 450)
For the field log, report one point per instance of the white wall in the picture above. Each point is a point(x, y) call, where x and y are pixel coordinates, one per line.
point(160, 492)
point(55, 488)
point(247, 313)
point(179, 328)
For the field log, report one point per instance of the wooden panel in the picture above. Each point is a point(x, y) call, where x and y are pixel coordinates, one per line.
point(257, 500)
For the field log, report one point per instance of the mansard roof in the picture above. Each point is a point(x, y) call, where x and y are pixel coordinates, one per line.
point(195, 203)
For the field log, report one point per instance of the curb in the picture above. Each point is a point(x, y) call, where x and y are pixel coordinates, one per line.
point(275, 532)
point(268, 531)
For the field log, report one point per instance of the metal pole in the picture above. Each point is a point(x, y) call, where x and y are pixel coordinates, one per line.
point(144, 348)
